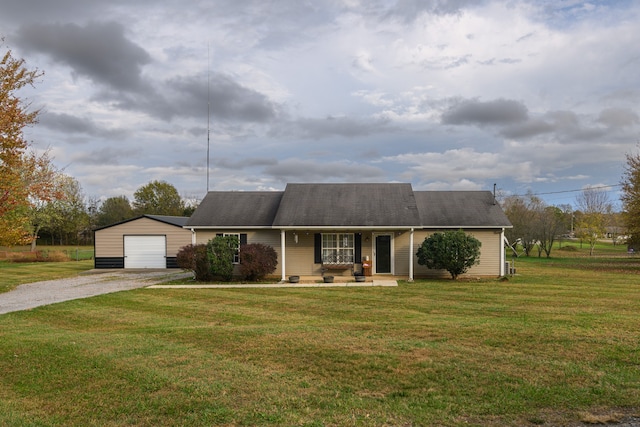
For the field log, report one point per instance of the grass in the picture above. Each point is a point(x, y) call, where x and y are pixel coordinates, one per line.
point(14, 274)
point(554, 345)
point(76, 253)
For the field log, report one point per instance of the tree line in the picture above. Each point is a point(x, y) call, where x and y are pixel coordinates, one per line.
point(537, 225)
point(70, 217)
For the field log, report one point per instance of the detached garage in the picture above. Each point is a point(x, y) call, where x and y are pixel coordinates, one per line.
point(147, 241)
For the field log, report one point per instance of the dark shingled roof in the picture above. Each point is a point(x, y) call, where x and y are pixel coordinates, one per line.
point(173, 220)
point(178, 221)
point(347, 205)
point(451, 209)
point(242, 209)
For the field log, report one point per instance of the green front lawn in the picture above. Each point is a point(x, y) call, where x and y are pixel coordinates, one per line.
point(554, 345)
point(14, 274)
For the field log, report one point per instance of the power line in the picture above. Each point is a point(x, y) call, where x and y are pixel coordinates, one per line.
point(569, 191)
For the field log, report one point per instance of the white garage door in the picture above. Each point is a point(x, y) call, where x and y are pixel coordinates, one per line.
point(145, 252)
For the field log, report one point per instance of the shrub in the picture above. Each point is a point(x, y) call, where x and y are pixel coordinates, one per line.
point(195, 258)
point(56, 256)
point(257, 260)
point(454, 251)
point(221, 251)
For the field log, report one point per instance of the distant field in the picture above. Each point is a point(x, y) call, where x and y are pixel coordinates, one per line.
point(556, 344)
point(43, 253)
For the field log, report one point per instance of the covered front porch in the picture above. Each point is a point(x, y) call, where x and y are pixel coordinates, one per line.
point(312, 254)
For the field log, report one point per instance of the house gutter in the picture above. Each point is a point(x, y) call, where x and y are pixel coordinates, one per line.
point(464, 227)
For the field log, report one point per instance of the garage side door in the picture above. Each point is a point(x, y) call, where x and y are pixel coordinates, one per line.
point(145, 252)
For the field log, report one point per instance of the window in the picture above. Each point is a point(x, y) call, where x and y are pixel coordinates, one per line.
point(338, 248)
point(236, 256)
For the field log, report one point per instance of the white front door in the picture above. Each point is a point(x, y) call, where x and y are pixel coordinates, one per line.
point(145, 252)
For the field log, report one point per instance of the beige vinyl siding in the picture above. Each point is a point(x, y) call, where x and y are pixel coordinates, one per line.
point(401, 247)
point(109, 242)
point(489, 255)
point(300, 256)
point(265, 237)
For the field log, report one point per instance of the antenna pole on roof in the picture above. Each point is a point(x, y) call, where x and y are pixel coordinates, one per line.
point(208, 110)
point(494, 193)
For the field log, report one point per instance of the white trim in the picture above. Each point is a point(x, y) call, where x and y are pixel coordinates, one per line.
point(503, 258)
point(411, 255)
point(331, 228)
point(464, 227)
point(283, 250)
point(375, 249)
point(229, 227)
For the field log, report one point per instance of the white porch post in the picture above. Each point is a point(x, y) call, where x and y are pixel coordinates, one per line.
point(193, 236)
point(503, 272)
point(282, 256)
point(411, 256)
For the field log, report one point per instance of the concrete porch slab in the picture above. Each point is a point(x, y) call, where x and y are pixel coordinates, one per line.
point(373, 283)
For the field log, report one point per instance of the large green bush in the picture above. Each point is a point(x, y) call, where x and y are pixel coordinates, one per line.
point(454, 251)
point(221, 251)
point(257, 260)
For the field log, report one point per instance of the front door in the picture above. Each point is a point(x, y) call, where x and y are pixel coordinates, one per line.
point(383, 254)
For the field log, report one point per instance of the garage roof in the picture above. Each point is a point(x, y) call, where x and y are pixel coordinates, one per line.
point(178, 221)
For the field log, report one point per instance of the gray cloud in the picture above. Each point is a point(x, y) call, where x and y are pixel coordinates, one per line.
point(98, 51)
point(497, 112)
point(297, 170)
point(409, 10)
point(105, 156)
point(187, 97)
point(618, 117)
point(528, 129)
point(227, 163)
point(566, 125)
point(310, 128)
point(69, 124)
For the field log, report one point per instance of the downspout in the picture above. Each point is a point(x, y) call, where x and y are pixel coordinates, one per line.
point(282, 251)
point(411, 255)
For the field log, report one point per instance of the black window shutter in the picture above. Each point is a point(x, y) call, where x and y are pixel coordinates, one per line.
point(243, 239)
point(317, 248)
point(358, 249)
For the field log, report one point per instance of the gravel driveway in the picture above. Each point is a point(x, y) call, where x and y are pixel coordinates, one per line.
point(93, 283)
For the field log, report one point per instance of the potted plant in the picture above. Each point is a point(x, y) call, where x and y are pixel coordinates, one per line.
point(328, 279)
point(360, 277)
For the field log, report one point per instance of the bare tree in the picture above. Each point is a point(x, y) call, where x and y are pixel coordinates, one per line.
point(594, 204)
point(536, 225)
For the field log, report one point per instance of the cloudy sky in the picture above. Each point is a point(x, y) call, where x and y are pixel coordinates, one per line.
point(540, 95)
